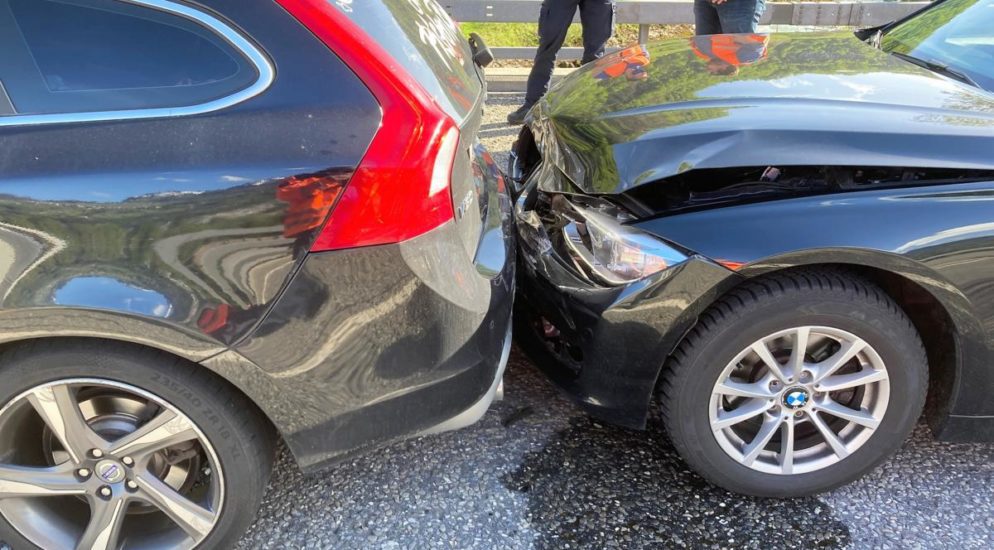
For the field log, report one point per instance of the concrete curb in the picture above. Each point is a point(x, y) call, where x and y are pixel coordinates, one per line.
point(515, 79)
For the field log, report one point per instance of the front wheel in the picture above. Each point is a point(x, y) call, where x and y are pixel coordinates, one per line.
point(108, 447)
point(795, 384)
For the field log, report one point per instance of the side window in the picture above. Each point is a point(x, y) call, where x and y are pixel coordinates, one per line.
point(92, 56)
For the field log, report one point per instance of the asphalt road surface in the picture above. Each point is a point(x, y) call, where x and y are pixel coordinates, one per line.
point(537, 473)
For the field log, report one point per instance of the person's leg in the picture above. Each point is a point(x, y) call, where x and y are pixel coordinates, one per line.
point(597, 18)
point(553, 23)
point(740, 16)
point(706, 18)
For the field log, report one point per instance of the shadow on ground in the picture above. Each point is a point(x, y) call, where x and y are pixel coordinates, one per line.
point(596, 486)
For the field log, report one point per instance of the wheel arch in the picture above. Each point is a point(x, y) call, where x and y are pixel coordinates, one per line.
point(235, 385)
point(695, 402)
point(942, 315)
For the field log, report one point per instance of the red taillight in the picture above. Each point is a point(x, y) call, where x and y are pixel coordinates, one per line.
point(401, 189)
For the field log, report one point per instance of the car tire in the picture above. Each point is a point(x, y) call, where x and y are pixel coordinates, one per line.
point(799, 458)
point(237, 436)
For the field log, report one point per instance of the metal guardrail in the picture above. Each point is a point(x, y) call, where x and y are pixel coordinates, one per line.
point(649, 12)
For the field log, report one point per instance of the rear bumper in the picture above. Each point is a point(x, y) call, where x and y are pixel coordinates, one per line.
point(496, 392)
point(375, 344)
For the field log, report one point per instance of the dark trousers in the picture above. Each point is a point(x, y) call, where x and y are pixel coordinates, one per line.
point(597, 18)
point(731, 17)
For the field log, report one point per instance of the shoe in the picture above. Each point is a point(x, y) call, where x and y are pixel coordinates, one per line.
point(518, 117)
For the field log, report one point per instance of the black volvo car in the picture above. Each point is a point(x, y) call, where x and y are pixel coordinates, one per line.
point(785, 241)
point(224, 222)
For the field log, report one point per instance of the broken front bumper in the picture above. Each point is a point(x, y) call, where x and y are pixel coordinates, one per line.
point(605, 345)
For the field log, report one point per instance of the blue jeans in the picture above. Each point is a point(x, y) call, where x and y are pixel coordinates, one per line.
point(597, 19)
point(731, 17)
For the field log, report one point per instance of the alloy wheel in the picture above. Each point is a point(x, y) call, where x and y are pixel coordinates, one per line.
point(89, 463)
point(799, 400)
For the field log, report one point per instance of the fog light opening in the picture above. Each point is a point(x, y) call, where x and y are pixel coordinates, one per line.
point(548, 329)
point(574, 352)
point(570, 354)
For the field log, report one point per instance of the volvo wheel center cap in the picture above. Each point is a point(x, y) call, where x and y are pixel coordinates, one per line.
point(795, 398)
point(110, 471)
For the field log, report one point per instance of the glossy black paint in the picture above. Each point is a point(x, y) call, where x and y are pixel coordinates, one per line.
point(940, 237)
point(371, 345)
point(612, 341)
point(807, 99)
point(820, 99)
point(182, 234)
point(180, 212)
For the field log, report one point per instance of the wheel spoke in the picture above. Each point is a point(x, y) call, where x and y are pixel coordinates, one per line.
point(823, 363)
point(57, 406)
point(861, 416)
point(838, 447)
point(184, 504)
point(743, 389)
point(23, 481)
point(191, 517)
point(760, 349)
point(845, 381)
point(800, 349)
point(166, 429)
point(766, 432)
point(744, 412)
point(848, 350)
point(787, 446)
point(105, 523)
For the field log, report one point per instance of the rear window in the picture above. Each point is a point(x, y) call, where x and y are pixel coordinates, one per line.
point(84, 56)
point(423, 38)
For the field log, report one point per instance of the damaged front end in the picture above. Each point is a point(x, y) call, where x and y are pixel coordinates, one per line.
point(550, 155)
point(602, 303)
point(592, 237)
point(607, 287)
point(648, 185)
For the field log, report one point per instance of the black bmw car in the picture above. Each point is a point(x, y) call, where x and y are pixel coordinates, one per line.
point(785, 242)
point(224, 223)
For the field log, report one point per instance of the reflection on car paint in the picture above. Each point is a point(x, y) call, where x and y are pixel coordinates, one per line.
point(108, 292)
point(354, 360)
point(833, 98)
point(725, 53)
point(162, 253)
point(630, 62)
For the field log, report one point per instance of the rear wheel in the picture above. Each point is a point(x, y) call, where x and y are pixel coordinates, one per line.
point(795, 384)
point(108, 447)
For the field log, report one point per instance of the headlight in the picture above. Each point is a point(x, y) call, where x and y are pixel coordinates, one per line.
point(614, 253)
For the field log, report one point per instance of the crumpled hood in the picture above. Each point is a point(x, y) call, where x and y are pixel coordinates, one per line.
point(721, 101)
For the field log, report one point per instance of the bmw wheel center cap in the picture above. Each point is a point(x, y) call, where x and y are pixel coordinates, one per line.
point(796, 398)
